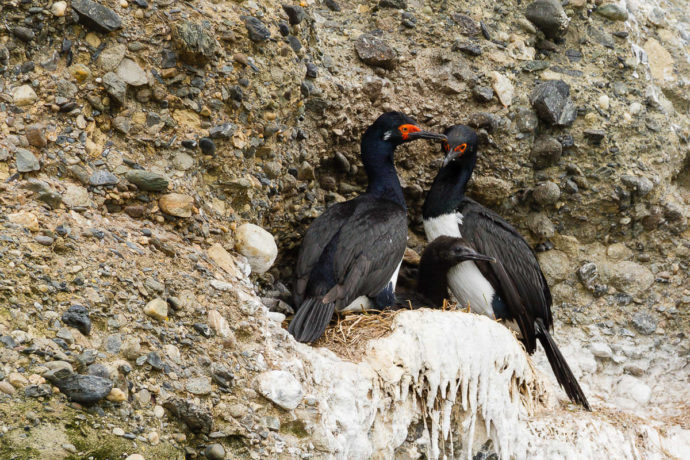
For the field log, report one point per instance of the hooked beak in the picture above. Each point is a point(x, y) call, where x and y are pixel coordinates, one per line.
point(450, 156)
point(470, 254)
point(426, 135)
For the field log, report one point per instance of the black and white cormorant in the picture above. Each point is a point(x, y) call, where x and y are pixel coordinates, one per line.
point(438, 258)
point(512, 289)
point(355, 248)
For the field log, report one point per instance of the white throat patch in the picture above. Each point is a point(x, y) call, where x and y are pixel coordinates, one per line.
point(443, 225)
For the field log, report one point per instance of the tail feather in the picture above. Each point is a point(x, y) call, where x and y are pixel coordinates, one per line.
point(560, 367)
point(311, 320)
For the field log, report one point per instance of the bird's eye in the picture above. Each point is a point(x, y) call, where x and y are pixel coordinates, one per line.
point(404, 128)
point(461, 148)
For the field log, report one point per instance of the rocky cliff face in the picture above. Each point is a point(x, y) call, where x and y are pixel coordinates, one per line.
point(136, 139)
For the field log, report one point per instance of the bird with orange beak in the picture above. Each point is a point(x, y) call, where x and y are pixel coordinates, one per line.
point(351, 254)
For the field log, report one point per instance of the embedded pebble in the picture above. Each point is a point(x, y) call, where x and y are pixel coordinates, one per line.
point(257, 245)
point(157, 309)
point(281, 388)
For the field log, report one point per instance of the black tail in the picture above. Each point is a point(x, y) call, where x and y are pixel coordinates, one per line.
point(311, 320)
point(560, 367)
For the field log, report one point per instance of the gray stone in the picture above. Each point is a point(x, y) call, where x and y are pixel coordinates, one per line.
point(111, 57)
point(52, 199)
point(555, 264)
point(38, 391)
point(469, 48)
point(44, 240)
point(601, 350)
point(540, 225)
point(115, 87)
point(77, 316)
point(546, 151)
point(638, 184)
point(466, 24)
point(374, 51)
point(96, 16)
point(595, 136)
point(601, 36)
point(26, 161)
point(630, 277)
point(199, 385)
point(222, 375)
point(182, 161)
point(296, 14)
point(84, 389)
point(148, 181)
point(281, 388)
point(76, 196)
point(397, 4)
point(122, 124)
point(613, 11)
point(546, 193)
point(551, 100)
point(66, 89)
point(224, 131)
point(99, 370)
point(215, 452)
point(194, 42)
point(482, 93)
point(197, 419)
point(103, 177)
point(644, 323)
point(24, 33)
point(256, 30)
point(526, 120)
point(113, 343)
point(549, 17)
point(131, 73)
point(332, 5)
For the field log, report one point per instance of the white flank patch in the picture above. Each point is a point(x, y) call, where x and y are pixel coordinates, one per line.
point(363, 302)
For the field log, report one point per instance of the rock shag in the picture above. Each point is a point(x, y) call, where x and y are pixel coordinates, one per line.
point(513, 288)
point(355, 248)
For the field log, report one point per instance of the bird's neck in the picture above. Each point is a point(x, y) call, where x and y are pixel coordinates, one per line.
point(377, 156)
point(448, 189)
point(432, 282)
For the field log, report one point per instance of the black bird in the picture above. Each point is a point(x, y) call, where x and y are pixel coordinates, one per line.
point(512, 289)
point(355, 248)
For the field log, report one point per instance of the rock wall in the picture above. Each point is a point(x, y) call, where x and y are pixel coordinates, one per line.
point(138, 139)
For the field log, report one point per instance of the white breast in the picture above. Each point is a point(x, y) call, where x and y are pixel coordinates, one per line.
point(469, 287)
point(466, 282)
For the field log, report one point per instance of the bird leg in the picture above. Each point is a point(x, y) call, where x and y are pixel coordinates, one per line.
point(469, 309)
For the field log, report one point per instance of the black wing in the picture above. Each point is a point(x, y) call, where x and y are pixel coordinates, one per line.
point(516, 276)
point(318, 235)
point(370, 246)
point(351, 251)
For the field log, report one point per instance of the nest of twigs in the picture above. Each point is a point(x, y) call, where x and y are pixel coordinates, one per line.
point(348, 335)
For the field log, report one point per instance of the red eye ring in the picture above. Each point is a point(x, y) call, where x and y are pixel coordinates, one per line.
point(460, 148)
